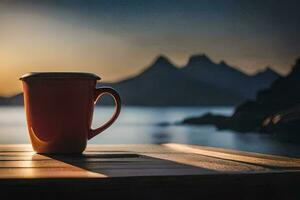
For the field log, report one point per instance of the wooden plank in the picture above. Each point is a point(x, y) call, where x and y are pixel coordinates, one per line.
point(230, 151)
point(15, 147)
point(212, 164)
point(128, 148)
point(241, 157)
point(37, 173)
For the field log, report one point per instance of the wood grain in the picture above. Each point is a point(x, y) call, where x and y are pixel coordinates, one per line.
point(174, 171)
point(104, 161)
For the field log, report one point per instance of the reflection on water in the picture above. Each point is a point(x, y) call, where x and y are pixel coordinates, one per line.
point(161, 137)
point(139, 125)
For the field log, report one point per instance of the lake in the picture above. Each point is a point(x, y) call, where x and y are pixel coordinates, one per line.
point(141, 125)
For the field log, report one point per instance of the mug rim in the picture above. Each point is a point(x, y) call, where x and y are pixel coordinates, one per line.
point(55, 75)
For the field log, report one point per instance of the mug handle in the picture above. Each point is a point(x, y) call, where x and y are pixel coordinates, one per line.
point(114, 94)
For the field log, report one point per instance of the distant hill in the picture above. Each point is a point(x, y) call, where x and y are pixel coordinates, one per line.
point(227, 77)
point(199, 82)
point(13, 100)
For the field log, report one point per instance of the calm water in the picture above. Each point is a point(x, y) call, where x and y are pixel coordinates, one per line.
point(139, 125)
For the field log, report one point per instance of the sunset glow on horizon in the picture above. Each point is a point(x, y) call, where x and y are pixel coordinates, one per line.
point(118, 40)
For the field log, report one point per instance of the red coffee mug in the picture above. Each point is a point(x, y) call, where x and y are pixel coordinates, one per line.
point(59, 110)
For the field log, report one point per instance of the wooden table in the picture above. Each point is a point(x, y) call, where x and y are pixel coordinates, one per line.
point(147, 172)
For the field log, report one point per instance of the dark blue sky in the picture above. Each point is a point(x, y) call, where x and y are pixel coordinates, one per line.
point(125, 36)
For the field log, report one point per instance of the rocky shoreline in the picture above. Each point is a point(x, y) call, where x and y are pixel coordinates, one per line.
point(275, 110)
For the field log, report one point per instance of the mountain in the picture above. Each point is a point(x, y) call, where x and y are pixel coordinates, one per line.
point(267, 74)
point(276, 109)
point(13, 100)
point(164, 84)
point(262, 80)
point(200, 82)
point(227, 77)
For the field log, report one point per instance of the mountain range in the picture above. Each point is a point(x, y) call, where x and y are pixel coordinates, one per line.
point(227, 77)
point(200, 82)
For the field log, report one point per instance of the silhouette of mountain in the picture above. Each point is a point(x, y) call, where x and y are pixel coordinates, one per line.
point(263, 79)
point(268, 73)
point(276, 109)
point(12, 100)
point(199, 82)
point(163, 84)
point(227, 77)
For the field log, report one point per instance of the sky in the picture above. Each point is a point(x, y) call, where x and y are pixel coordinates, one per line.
point(116, 39)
